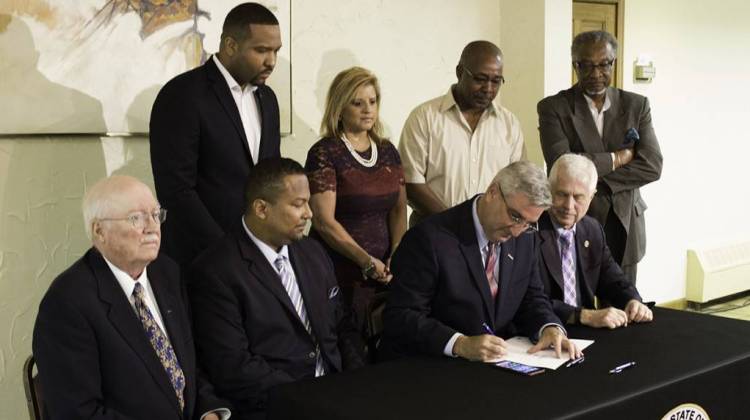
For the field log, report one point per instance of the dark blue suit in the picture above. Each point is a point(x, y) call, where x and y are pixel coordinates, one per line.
point(95, 360)
point(440, 288)
point(596, 271)
point(249, 336)
point(200, 157)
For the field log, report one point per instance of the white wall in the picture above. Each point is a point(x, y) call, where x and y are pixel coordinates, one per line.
point(698, 100)
point(535, 38)
point(700, 112)
point(412, 46)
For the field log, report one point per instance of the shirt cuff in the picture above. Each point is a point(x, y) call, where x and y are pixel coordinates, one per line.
point(223, 413)
point(448, 350)
point(560, 327)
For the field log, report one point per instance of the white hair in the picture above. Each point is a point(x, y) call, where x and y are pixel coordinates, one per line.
point(578, 167)
point(103, 198)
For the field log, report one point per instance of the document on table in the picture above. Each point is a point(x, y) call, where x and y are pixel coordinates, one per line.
point(517, 352)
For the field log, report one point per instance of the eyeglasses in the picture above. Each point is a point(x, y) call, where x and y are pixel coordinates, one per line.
point(140, 219)
point(482, 79)
point(516, 218)
point(586, 67)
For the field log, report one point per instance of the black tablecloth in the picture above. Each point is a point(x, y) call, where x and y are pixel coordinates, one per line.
point(681, 357)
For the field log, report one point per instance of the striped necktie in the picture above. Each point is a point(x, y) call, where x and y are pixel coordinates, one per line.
point(289, 281)
point(489, 267)
point(568, 267)
point(161, 345)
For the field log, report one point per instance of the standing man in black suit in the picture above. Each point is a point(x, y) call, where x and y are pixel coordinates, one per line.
point(112, 339)
point(468, 276)
point(575, 262)
point(210, 126)
point(265, 301)
point(613, 128)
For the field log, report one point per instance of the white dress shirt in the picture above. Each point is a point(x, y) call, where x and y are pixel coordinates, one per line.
point(128, 284)
point(244, 98)
point(439, 149)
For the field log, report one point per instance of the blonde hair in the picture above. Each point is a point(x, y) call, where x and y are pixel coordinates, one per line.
point(340, 94)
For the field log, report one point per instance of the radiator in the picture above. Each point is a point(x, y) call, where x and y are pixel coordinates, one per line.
point(716, 273)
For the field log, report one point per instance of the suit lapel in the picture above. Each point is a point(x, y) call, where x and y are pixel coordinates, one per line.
point(170, 315)
point(126, 322)
point(506, 260)
point(551, 256)
point(224, 96)
point(309, 290)
point(584, 124)
point(264, 127)
point(469, 246)
point(614, 132)
point(583, 261)
point(266, 275)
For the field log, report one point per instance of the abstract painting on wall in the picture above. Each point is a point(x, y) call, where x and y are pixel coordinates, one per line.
point(95, 66)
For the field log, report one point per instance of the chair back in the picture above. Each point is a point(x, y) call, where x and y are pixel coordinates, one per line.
point(33, 389)
point(375, 324)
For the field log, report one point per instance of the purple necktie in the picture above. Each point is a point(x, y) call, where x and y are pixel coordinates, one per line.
point(161, 345)
point(568, 267)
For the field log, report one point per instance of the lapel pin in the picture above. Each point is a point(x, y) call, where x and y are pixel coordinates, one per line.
point(510, 256)
point(585, 244)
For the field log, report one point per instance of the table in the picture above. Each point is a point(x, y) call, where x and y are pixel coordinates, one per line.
point(682, 357)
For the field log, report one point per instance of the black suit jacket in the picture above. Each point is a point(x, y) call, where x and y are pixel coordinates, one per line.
point(200, 157)
point(440, 288)
point(249, 335)
point(94, 358)
point(566, 125)
point(597, 273)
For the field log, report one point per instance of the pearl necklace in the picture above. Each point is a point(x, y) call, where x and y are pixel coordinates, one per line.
point(367, 163)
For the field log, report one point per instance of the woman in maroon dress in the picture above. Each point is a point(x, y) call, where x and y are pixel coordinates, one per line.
point(357, 186)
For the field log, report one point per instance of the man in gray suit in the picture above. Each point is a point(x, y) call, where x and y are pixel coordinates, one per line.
point(613, 128)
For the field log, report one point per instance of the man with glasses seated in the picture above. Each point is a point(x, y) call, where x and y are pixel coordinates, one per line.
point(466, 278)
point(574, 261)
point(613, 128)
point(113, 338)
point(451, 146)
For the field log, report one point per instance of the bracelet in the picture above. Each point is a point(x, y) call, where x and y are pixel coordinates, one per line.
point(369, 269)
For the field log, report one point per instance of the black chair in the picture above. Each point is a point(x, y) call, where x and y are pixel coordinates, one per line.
point(33, 389)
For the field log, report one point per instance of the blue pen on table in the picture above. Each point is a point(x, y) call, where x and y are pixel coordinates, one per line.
point(575, 362)
point(622, 367)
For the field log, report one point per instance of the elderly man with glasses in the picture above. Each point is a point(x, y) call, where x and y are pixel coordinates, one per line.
point(613, 128)
point(467, 278)
point(451, 146)
point(575, 263)
point(113, 338)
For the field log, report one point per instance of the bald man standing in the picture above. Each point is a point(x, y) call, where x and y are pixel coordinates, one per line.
point(451, 146)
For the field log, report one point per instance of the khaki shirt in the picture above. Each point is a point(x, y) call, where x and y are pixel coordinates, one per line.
point(437, 148)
